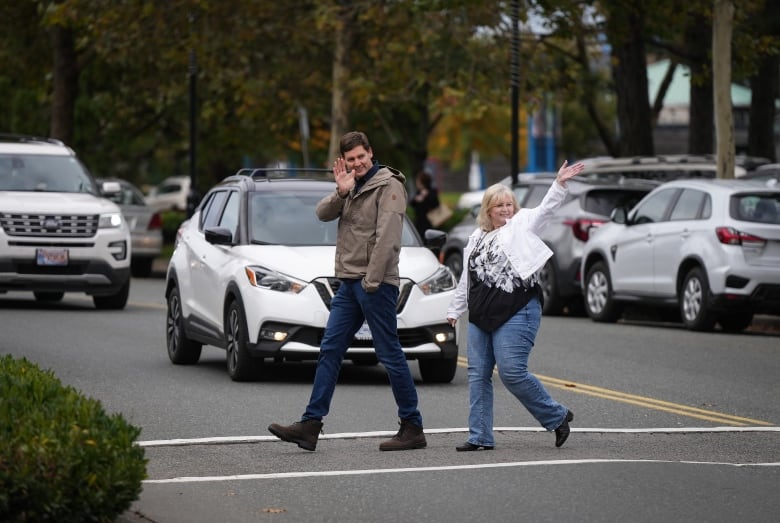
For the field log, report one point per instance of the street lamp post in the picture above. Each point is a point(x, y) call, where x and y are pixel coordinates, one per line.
point(192, 72)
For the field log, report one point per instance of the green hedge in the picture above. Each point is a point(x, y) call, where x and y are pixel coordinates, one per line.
point(62, 458)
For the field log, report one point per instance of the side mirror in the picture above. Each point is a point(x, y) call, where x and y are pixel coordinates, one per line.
point(434, 239)
point(219, 236)
point(110, 187)
point(619, 215)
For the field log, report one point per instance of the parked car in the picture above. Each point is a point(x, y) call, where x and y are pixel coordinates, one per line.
point(145, 226)
point(631, 178)
point(587, 205)
point(708, 248)
point(170, 195)
point(57, 232)
point(253, 272)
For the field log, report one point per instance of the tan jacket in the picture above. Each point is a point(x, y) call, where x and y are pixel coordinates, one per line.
point(370, 224)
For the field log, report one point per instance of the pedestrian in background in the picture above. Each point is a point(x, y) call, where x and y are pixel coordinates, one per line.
point(499, 286)
point(424, 201)
point(370, 203)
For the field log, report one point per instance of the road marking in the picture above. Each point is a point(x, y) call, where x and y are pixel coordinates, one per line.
point(234, 440)
point(330, 473)
point(642, 401)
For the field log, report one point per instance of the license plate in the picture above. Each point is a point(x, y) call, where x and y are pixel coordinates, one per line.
point(51, 257)
point(364, 333)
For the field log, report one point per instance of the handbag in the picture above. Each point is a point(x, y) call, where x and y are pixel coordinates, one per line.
point(439, 215)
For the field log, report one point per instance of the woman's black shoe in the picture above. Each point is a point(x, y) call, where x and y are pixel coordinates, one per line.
point(562, 432)
point(468, 447)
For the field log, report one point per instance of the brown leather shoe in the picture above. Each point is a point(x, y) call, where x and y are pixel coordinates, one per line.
point(409, 436)
point(304, 433)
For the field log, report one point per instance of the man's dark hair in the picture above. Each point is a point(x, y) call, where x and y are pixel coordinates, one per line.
point(353, 139)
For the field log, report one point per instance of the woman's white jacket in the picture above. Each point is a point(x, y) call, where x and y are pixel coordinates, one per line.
point(519, 240)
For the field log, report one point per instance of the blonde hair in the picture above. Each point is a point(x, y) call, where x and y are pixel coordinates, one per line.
point(492, 194)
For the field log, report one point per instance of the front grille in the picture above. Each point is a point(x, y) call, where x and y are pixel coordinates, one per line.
point(50, 225)
point(408, 337)
point(327, 288)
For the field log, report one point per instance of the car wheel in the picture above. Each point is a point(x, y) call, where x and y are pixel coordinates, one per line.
point(114, 301)
point(694, 302)
point(240, 365)
point(181, 349)
point(438, 370)
point(142, 267)
point(599, 303)
point(553, 304)
point(736, 321)
point(454, 261)
point(48, 296)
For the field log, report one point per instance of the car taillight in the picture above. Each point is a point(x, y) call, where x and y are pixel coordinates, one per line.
point(731, 236)
point(581, 227)
point(155, 222)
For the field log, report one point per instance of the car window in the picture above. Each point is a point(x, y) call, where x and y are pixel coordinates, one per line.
point(211, 211)
point(602, 201)
point(30, 172)
point(169, 188)
point(535, 195)
point(288, 218)
point(653, 209)
point(688, 205)
point(760, 208)
point(229, 218)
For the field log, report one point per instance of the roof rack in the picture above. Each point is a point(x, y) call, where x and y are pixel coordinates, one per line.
point(279, 172)
point(22, 138)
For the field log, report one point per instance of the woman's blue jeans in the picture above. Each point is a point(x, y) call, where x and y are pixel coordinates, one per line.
point(509, 347)
point(349, 308)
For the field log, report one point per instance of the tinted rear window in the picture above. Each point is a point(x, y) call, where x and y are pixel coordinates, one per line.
point(602, 201)
point(759, 208)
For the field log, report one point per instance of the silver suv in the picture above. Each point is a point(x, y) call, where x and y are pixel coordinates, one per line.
point(57, 233)
point(708, 248)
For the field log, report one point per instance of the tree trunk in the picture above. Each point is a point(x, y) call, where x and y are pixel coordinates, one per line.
point(65, 84)
point(701, 132)
point(345, 38)
point(722, 28)
point(629, 71)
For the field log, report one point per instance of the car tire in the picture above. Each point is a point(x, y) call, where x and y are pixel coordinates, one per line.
point(113, 302)
point(141, 267)
point(48, 296)
point(695, 302)
point(736, 321)
point(438, 370)
point(240, 365)
point(181, 349)
point(454, 261)
point(553, 303)
point(599, 303)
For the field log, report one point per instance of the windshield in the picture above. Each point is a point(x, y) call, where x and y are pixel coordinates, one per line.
point(28, 172)
point(288, 218)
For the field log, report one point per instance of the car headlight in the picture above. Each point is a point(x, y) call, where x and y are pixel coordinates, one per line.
point(442, 280)
point(273, 280)
point(110, 221)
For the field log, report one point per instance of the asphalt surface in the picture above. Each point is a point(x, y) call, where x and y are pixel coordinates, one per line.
point(158, 496)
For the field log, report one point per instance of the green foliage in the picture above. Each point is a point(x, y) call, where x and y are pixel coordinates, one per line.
point(62, 458)
point(171, 221)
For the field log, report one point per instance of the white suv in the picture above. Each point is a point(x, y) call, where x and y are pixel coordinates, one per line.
point(57, 233)
point(253, 273)
point(709, 248)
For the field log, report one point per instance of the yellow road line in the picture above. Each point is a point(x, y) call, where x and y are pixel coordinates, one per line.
point(643, 401)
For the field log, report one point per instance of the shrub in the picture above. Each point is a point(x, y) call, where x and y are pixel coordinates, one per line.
point(62, 458)
point(171, 220)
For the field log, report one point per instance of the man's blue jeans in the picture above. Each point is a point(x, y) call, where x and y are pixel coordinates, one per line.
point(349, 308)
point(509, 347)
